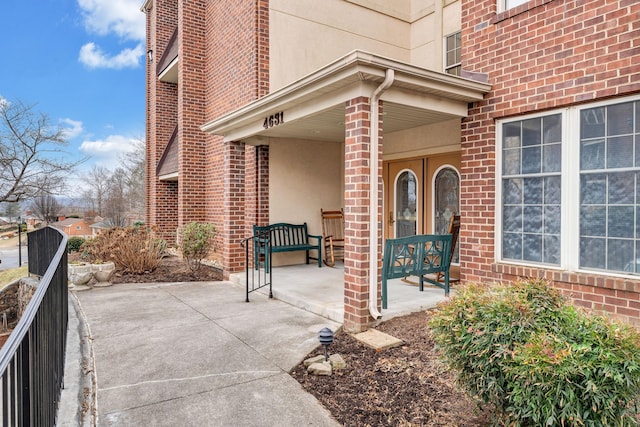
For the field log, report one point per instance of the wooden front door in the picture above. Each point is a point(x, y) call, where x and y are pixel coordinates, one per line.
point(421, 195)
point(404, 204)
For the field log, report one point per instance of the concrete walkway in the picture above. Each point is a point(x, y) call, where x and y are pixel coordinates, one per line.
point(187, 354)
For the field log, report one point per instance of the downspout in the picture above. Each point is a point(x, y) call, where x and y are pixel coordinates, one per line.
point(373, 194)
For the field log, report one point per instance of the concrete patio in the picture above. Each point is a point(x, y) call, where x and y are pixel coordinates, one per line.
point(320, 291)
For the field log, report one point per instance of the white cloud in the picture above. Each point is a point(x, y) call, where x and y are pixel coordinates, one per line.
point(71, 128)
point(93, 57)
point(120, 17)
point(106, 152)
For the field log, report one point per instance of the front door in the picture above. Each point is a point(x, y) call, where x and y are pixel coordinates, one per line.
point(421, 195)
point(404, 205)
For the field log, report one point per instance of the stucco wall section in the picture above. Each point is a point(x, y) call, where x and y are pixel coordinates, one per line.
point(305, 176)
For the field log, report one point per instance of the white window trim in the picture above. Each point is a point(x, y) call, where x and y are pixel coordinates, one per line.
point(445, 66)
point(502, 5)
point(570, 185)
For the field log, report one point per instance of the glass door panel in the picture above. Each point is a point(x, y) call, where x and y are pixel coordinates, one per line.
point(406, 204)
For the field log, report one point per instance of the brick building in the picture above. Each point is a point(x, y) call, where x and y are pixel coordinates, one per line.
point(551, 156)
point(262, 111)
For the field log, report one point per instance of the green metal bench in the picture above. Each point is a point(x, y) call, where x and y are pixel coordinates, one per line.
point(417, 256)
point(283, 237)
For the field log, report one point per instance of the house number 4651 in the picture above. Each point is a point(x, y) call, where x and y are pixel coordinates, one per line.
point(273, 120)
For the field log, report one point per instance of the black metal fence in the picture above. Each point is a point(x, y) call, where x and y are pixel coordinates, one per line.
point(257, 275)
point(32, 359)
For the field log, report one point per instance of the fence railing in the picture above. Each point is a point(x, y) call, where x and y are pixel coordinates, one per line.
point(32, 359)
point(257, 274)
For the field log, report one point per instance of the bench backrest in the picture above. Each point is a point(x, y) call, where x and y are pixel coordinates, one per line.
point(283, 234)
point(416, 255)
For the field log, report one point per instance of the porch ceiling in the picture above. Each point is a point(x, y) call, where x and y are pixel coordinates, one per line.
point(313, 107)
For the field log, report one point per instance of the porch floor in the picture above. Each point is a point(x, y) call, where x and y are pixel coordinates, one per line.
point(320, 291)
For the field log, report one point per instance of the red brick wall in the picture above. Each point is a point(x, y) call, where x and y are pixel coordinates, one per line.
point(191, 108)
point(237, 73)
point(544, 54)
point(356, 214)
point(162, 117)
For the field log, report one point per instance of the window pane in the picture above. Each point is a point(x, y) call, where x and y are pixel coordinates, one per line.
point(592, 123)
point(551, 250)
point(512, 220)
point(511, 162)
point(512, 246)
point(532, 219)
point(406, 204)
point(620, 152)
point(593, 189)
point(592, 154)
point(551, 220)
point(532, 247)
point(531, 159)
point(531, 132)
point(593, 253)
point(532, 191)
point(621, 188)
point(552, 190)
point(511, 135)
point(593, 221)
point(619, 254)
point(551, 158)
point(620, 119)
point(512, 191)
point(620, 221)
point(552, 129)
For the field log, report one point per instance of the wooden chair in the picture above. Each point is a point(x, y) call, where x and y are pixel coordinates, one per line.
point(333, 235)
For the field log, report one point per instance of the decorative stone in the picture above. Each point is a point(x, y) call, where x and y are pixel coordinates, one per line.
point(322, 368)
point(337, 362)
point(312, 360)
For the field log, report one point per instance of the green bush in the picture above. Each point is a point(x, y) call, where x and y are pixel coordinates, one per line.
point(197, 240)
point(537, 359)
point(74, 243)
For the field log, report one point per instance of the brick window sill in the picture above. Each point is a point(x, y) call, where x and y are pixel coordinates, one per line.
point(600, 280)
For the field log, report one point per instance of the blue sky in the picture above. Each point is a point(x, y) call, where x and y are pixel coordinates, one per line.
point(83, 63)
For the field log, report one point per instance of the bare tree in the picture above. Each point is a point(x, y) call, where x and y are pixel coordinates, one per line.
point(134, 168)
point(115, 207)
point(97, 179)
point(32, 161)
point(10, 209)
point(46, 208)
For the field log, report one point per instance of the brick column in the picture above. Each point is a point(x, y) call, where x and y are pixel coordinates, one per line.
point(357, 230)
point(234, 208)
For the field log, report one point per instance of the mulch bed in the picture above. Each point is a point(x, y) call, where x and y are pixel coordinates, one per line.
point(401, 386)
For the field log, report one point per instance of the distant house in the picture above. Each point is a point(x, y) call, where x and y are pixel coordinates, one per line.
point(74, 227)
point(99, 227)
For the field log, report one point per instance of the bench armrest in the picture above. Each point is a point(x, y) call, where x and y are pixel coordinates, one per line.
point(313, 236)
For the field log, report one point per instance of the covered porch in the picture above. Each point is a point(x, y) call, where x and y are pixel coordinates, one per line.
point(318, 143)
point(321, 291)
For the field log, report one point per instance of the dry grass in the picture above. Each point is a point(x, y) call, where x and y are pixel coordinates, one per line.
point(11, 274)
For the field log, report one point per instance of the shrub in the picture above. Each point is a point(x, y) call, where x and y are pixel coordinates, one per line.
point(539, 360)
point(74, 243)
point(197, 240)
point(132, 249)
